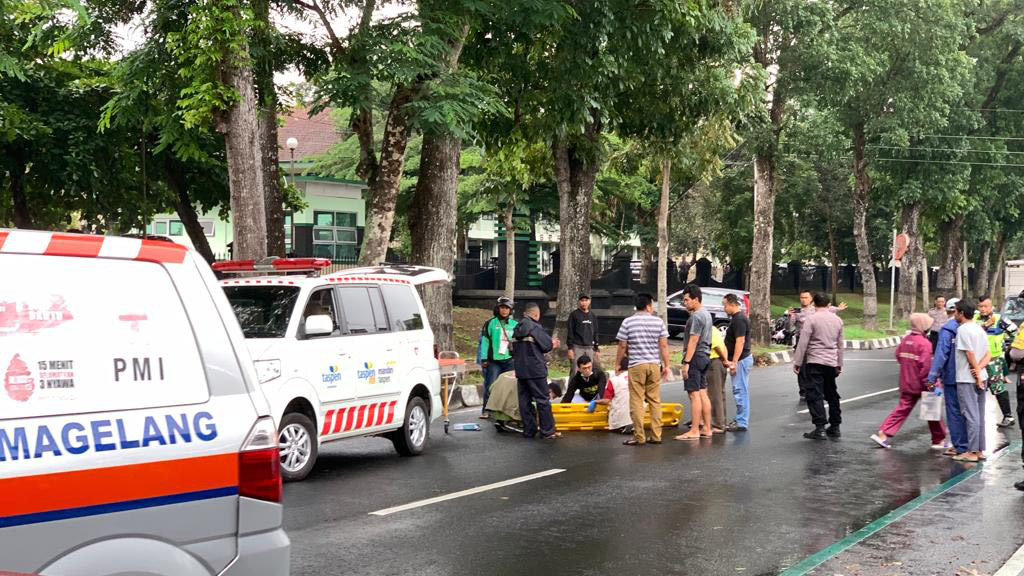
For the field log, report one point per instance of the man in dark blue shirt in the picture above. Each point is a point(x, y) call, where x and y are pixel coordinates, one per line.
point(531, 343)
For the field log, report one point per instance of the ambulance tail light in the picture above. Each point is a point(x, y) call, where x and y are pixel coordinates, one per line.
point(259, 463)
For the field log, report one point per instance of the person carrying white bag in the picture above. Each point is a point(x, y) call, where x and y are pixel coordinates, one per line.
point(914, 355)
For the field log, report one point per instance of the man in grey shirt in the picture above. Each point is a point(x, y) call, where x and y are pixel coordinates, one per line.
point(819, 358)
point(696, 358)
point(972, 356)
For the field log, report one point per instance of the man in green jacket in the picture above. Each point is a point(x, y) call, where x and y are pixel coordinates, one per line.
point(495, 352)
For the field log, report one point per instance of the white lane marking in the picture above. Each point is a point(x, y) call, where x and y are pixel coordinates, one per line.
point(1014, 566)
point(468, 492)
point(857, 398)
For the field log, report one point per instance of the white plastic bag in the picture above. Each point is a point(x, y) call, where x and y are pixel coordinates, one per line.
point(931, 406)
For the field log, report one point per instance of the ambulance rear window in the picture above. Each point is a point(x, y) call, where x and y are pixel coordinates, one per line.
point(82, 335)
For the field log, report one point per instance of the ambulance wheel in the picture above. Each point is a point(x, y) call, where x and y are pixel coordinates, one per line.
point(298, 446)
point(411, 438)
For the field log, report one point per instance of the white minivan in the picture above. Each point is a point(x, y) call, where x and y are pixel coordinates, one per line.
point(339, 356)
point(134, 438)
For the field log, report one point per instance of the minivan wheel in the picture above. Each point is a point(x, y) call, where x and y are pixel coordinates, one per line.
point(411, 438)
point(298, 446)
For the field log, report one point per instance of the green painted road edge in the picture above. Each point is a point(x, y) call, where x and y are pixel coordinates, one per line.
point(854, 538)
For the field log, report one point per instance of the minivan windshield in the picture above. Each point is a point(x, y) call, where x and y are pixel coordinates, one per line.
point(263, 311)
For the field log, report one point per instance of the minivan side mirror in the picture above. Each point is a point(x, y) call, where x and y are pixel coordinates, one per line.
point(318, 325)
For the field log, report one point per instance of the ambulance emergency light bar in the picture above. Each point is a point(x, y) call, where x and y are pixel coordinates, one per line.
point(272, 264)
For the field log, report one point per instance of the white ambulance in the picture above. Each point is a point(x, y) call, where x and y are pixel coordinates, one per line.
point(134, 438)
point(339, 356)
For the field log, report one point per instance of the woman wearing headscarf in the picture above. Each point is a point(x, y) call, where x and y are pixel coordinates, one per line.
point(914, 355)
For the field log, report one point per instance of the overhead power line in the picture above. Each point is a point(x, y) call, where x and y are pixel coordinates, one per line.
point(971, 150)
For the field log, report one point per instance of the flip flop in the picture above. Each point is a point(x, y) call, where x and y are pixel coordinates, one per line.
point(632, 442)
point(685, 437)
point(552, 436)
point(965, 458)
point(950, 452)
point(718, 431)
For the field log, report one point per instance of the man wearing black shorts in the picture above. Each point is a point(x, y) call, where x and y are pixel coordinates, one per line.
point(696, 358)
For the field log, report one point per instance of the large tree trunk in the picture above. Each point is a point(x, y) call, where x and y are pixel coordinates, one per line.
point(666, 172)
point(765, 53)
point(178, 183)
point(510, 250)
point(384, 184)
point(910, 218)
point(273, 198)
point(949, 258)
point(761, 256)
point(434, 230)
point(575, 175)
point(862, 185)
point(981, 279)
point(263, 70)
point(245, 166)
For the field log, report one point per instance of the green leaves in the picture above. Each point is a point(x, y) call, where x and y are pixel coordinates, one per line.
point(215, 36)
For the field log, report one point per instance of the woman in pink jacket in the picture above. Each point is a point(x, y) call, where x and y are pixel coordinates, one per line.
point(915, 357)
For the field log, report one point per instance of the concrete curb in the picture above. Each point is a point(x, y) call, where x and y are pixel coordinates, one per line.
point(785, 356)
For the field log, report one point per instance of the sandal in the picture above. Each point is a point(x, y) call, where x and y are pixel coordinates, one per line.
point(717, 430)
point(688, 436)
point(551, 436)
point(632, 442)
point(950, 452)
point(965, 458)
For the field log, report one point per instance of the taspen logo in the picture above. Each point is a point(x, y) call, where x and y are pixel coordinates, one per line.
point(368, 373)
point(332, 375)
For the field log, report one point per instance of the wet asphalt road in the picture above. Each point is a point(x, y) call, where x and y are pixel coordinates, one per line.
point(747, 503)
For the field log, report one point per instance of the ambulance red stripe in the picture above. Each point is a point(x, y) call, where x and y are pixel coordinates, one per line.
point(82, 488)
point(327, 423)
point(370, 415)
point(391, 413)
point(339, 420)
point(83, 246)
point(90, 246)
point(360, 416)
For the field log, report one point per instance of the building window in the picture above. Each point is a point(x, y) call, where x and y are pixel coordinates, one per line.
point(170, 227)
point(335, 236)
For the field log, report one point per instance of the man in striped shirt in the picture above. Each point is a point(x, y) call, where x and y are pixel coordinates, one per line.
point(643, 337)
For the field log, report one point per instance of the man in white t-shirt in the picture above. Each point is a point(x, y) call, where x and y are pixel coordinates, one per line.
point(972, 356)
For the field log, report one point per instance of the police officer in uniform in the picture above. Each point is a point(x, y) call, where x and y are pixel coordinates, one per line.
point(531, 343)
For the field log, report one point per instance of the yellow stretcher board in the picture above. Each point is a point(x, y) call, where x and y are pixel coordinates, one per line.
point(575, 417)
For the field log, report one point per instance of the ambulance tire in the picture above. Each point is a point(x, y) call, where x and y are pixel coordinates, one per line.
point(411, 438)
point(293, 425)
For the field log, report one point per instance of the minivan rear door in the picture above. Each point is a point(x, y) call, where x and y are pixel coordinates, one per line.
point(120, 417)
